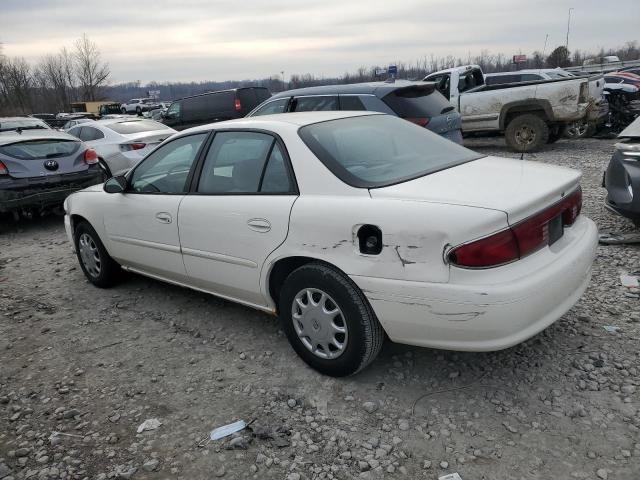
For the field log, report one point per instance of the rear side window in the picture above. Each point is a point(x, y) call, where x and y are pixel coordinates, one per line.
point(136, 126)
point(40, 149)
point(219, 102)
point(529, 77)
point(89, 133)
point(417, 102)
point(276, 106)
point(351, 102)
point(244, 163)
point(312, 104)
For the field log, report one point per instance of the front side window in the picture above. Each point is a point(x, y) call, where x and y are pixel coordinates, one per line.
point(313, 104)
point(380, 150)
point(277, 106)
point(166, 169)
point(244, 163)
point(174, 110)
point(351, 102)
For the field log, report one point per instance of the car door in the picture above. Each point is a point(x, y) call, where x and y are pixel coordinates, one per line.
point(142, 222)
point(238, 214)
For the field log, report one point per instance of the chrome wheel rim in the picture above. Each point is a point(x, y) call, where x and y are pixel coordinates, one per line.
point(319, 323)
point(90, 255)
point(577, 129)
point(525, 135)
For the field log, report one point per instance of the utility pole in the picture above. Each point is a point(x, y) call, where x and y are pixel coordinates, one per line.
point(284, 85)
point(568, 24)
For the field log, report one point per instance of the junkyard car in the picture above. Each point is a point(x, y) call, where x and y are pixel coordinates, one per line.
point(348, 225)
point(622, 178)
point(39, 166)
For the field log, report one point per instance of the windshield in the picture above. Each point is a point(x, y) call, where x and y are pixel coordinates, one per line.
point(36, 149)
point(24, 124)
point(381, 150)
point(136, 126)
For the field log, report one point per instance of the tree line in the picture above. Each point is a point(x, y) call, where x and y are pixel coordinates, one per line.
point(80, 74)
point(54, 82)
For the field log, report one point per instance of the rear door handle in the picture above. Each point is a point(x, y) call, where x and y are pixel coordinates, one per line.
point(163, 217)
point(259, 225)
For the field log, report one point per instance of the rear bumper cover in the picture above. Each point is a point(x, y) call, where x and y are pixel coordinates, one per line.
point(489, 316)
point(42, 193)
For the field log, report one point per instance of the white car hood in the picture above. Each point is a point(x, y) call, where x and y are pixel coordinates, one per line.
point(517, 187)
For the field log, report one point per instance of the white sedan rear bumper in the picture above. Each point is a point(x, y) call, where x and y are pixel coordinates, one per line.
point(479, 312)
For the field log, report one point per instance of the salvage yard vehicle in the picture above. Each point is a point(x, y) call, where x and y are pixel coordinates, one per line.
point(349, 226)
point(121, 142)
point(526, 75)
point(39, 167)
point(418, 102)
point(215, 106)
point(622, 178)
point(138, 105)
point(530, 114)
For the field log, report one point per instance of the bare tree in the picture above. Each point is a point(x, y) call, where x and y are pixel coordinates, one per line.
point(92, 73)
point(16, 83)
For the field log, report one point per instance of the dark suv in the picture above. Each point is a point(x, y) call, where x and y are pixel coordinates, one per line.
point(213, 107)
point(418, 102)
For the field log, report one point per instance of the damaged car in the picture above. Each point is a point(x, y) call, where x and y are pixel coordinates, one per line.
point(40, 166)
point(352, 227)
point(622, 177)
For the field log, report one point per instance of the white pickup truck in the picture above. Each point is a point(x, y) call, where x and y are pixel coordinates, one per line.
point(530, 114)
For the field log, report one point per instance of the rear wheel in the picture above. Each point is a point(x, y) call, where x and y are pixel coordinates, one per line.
point(138, 111)
point(97, 265)
point(328, 321)
point(124, 110)
point(527, 133)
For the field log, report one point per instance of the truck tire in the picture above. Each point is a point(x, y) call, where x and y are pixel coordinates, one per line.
point(527, 133)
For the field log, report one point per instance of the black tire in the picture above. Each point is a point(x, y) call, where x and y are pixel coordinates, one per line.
point(109, 272)
point(365, 334)
point(579, 129)
point(124, 110)
point(138, 111)
point(527, 133)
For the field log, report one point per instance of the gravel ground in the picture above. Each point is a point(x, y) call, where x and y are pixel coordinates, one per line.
point(94, 364)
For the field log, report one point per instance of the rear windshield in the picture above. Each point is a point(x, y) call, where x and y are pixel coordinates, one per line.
point(38, 149)
point(136, 126)
point(417, 102)
point(381, 150)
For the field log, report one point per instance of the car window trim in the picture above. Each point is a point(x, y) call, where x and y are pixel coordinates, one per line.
point(187, 182)
point(270, 101)
point(193, 187)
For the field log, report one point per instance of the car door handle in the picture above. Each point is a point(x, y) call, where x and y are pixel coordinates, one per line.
point(163, 217)
point(259, 225)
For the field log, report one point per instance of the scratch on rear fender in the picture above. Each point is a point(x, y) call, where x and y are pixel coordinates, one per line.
point(459, 317)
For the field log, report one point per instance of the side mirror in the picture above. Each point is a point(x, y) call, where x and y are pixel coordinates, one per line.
point(115, 185)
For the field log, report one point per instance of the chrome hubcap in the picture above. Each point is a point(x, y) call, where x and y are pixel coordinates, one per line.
point(319, 323)
point(525, 135)
point(90, 255)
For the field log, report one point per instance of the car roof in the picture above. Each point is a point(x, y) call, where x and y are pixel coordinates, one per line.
point(369, 88)
point(111, 121)
point(213, 92)
point(299, 119)
point(12, 136)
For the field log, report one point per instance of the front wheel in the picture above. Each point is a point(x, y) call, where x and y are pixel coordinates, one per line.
point(124, 110)
point(97, 265)
point(328, 320)
point(527, 133)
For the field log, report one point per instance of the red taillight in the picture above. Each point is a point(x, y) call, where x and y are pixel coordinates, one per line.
point(495, 250)
point(137, 146)
point(518, 241)
point(422, 121)
point(3, 169)
point(238, 105)
point(90, 156)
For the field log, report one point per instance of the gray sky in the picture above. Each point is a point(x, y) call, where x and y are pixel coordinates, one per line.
point(240, 39)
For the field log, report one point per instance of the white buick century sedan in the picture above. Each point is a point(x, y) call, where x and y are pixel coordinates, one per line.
point(350, 226)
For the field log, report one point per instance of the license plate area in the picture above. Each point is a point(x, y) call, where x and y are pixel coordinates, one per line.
point(556, 229)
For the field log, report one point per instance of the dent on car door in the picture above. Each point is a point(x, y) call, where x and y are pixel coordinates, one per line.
point(238, 215)
point(142, 222)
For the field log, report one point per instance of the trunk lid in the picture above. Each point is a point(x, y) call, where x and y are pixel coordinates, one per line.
point(39, 158)
point(519, 188)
